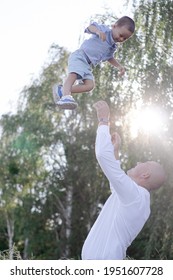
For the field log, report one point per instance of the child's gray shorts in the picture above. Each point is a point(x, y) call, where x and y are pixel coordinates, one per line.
point(79, 64)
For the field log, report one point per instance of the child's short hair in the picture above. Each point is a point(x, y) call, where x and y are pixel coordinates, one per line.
point(128, 22)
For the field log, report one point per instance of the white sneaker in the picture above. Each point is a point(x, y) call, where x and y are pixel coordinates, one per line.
point(57, 92)
point(67, 102)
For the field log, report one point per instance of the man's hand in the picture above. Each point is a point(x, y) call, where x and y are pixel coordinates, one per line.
point(103, 111)
point(116, 141)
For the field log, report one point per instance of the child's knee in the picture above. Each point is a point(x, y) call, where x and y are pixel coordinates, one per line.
point(89, 84)
point(92, 85)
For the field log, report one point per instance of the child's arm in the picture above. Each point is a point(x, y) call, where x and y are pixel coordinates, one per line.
point(94, 30)
point(115, 63)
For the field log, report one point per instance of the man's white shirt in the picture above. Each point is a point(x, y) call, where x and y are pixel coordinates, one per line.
point(125, 211)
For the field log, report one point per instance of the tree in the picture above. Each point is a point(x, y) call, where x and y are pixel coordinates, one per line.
point(50, 181)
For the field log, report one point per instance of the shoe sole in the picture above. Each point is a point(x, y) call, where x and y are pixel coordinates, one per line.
point(67, 106)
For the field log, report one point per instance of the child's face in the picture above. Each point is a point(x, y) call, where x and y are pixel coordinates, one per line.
point(120, 33)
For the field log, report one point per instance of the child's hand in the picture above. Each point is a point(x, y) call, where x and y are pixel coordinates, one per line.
point(101, 35)
point(122, 70)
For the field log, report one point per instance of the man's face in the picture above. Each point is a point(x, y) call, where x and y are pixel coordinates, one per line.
point(139, 169)
point(120, 33)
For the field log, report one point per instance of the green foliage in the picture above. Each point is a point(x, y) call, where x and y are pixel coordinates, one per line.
point(5, 255)
point(51, 187)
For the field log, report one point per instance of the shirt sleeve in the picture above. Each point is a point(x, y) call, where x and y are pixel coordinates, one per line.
point(125, 187)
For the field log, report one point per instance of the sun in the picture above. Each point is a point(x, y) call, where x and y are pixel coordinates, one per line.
point(148, 120)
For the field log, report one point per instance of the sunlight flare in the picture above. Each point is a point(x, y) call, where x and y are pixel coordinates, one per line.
point(148, 121)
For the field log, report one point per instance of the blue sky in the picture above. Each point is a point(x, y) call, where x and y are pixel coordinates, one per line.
point(29, 27)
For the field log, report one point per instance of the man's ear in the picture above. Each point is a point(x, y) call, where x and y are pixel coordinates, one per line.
point(145, 175)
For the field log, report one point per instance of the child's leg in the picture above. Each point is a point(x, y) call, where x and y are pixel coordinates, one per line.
point(67, 87)
point(62, 96)
point(86, 86)
point(67, 101)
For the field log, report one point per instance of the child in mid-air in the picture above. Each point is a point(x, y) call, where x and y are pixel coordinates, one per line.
point(101, 46)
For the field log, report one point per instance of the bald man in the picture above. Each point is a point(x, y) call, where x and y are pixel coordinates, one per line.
point(128, 207)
